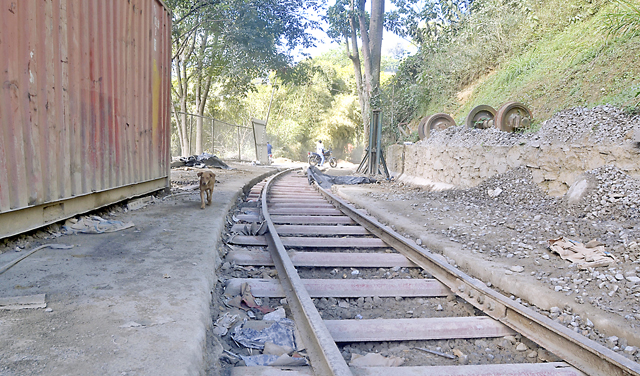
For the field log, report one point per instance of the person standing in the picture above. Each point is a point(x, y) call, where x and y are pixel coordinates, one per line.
point(320, 151)
point(269, 148)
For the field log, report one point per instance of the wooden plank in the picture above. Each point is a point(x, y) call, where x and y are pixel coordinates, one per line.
point(318, 204)
point(416, 329)
point(320, 230)
point(519, 369)
point(345, 288)
point(305, 211)
point(248, 217)
point(23, 302)
point(310, 230)
point(311, 219)
point(325, 259)
point(311, 242)
point(292, 200)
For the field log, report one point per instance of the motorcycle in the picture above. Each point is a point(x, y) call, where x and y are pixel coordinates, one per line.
point(315, 159)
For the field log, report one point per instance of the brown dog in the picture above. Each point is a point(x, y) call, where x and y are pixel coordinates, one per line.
point(207, 181)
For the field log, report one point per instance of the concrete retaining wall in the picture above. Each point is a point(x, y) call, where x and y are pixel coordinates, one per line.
point(554, 166)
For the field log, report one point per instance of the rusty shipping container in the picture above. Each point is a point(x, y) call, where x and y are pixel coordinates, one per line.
point(84, 106)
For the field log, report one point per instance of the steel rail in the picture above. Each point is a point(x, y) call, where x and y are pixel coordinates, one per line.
point(581, 352)
point(324, 354)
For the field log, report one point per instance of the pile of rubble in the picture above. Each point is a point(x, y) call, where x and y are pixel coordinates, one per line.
point(514, 188)
point(461, 136)
point(598, 125)
point(613, 195)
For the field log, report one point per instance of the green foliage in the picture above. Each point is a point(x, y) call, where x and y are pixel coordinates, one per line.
point(241, 39)
point(325, 106)
point(549, 54)
point(624, 20)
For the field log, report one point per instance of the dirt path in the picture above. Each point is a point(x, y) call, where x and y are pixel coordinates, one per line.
point(132, 302)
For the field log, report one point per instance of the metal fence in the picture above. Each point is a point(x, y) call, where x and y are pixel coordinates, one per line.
point(226, 140)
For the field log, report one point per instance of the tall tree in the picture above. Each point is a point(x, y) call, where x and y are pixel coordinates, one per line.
point(349, 19)
point(224, 45)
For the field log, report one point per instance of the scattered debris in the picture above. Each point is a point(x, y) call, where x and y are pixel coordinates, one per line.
point(223, 323)
point(276, 315)
point(434, 352)
point(139, 203)
point(246, 300)
point(132, 324)
point(254, 334)
point(255, 229)
point(578, 253)
point(93, 225)
point(375, 360)
point(494, 192)
point(200, 161)
point(326, 181)
point(14, 262)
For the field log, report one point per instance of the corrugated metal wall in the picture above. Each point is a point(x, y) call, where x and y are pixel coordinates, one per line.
point(84, 101)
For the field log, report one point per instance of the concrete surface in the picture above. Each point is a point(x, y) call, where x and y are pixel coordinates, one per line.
point(133, 302)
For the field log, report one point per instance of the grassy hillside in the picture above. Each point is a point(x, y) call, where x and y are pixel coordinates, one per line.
point(548, 54)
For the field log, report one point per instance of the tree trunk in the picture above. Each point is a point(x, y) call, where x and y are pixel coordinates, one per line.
point(375, 47)
point(201, 104)
point(202, 91)
point(366, 47)
point(182, 85)
point(181, 91)
point(354, 56)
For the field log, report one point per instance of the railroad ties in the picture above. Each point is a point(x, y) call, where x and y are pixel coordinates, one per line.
point(305, 233)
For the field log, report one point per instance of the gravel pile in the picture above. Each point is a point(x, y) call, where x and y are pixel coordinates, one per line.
point(599, 125)
point(461, 136)
point(616, 196)
point(514, 188)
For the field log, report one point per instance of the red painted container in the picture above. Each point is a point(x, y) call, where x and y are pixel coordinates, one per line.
point(84, 105)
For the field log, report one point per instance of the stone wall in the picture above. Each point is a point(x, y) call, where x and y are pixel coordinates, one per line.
point(554, 166)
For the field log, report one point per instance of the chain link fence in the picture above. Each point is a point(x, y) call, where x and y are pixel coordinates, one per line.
point(225, 140)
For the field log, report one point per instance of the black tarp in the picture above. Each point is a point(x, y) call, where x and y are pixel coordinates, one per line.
point(326, 181)
point(202, 161)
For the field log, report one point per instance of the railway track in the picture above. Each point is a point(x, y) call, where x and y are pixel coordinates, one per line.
point(411, 303)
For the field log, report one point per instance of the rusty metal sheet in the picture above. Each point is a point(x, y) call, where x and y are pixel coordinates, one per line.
point(416, 329)
point(325, 259)
point(344, 288)
point(84, 101)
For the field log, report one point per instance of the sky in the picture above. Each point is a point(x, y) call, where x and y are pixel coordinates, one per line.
point(389, 40)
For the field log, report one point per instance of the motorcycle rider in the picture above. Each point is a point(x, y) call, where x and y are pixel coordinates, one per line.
point(320, 151)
